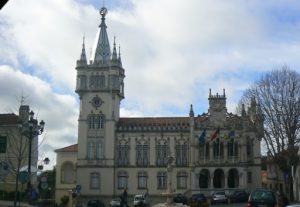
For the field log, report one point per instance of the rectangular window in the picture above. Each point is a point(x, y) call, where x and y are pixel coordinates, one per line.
point(162, 180)
point(94, 181)
point(3, 144)
point(181, 181)
point(142, 181)
point(122, 181)
point(249, 177)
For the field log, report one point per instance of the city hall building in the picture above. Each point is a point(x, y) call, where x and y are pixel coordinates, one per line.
point(216, 150)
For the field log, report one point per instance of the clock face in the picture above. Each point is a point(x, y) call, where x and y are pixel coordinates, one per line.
point(218, 106)
point(96, 102)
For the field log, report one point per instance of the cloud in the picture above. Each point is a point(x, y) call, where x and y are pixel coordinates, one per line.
point(58, 111)
point(173, 51)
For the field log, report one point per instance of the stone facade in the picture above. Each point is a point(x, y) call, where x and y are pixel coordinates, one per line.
point(213, 151)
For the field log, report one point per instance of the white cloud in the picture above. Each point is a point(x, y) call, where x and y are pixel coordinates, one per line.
point(58, 111)
point(173, 51)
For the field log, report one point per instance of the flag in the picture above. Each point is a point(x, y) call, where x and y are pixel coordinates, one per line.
point(231, 134)
point(202, 137)
point(215, 134)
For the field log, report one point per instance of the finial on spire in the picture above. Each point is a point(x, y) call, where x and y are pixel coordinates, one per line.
point(103, 12)
point(224, 92)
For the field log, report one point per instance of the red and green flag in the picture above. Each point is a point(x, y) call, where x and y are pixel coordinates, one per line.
point(215, 134)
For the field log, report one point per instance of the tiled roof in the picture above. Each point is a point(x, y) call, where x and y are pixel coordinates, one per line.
point(71, 148)
point(8, 119)
point(153, 120)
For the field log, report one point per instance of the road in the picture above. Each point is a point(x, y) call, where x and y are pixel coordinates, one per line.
point(230, 205)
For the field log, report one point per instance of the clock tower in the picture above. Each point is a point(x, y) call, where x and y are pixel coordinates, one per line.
point(100, 88)
point(217, 108)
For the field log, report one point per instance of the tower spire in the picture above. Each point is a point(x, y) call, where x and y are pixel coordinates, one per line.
point(120, 61)
point(82, 60)
point(114, 58)
point(102, 50)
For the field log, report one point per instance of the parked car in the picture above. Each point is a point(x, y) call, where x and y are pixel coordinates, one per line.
point(116, 202)
point(198, 200)
point(219, 197)
point(239, 196)
point(262, 197)
point(180, 198)
point(95, 203)
point(140, 201)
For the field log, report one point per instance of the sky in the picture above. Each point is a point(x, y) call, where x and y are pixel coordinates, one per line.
point(173, 52)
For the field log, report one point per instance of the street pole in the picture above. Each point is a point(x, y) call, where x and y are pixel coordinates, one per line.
point(29, 159)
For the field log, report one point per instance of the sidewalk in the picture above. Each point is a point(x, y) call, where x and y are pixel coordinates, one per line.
point(11, 204)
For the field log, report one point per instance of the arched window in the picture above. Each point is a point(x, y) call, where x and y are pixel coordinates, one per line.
point(123, 155)
point(102, 81)
point(181, 154)
point(94, 180)
point(92, 121)
point(99, 150)
point(97, 81)
point(68, 173)
point(100, 121)
point(161, 154)
point(90, 150)
point(142, 154)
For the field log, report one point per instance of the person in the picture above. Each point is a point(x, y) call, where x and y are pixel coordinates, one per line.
point(124, 197)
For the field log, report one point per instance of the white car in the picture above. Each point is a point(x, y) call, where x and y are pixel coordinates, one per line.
point(140, 201)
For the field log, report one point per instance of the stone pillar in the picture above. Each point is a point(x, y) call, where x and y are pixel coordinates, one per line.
point(225, 151)
point(226, 179)
point(211, 151)
point(212, 180)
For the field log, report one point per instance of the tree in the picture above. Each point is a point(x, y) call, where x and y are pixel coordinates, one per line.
point(277, 95)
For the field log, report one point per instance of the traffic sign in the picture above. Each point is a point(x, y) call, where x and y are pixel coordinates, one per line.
point(44, 185)
point(23, 177)
point(4, 169)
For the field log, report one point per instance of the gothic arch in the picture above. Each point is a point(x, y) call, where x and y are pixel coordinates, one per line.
point(233, 178)
point(204, 178)
point(219, 178)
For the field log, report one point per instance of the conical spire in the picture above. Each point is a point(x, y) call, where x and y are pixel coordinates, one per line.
point(82, 60)
point(114, 58)
point(120, 61)
point(102, 49)
point(191, 111)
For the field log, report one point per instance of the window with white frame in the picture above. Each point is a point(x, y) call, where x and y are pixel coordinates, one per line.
point(123, 155)
point(90, 150)
point(181, 154)
point(94, 180)
point(182, 180)
point(142, 180)
point(162, 180)
point(122, 180)
point(99, 150)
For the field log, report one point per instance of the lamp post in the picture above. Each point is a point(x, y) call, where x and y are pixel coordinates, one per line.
point(35, 129)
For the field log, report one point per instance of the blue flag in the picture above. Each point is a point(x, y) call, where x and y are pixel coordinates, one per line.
point(202, 137)
point(231, 134)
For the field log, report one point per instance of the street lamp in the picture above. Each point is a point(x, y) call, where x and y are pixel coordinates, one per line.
point(35, 129)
